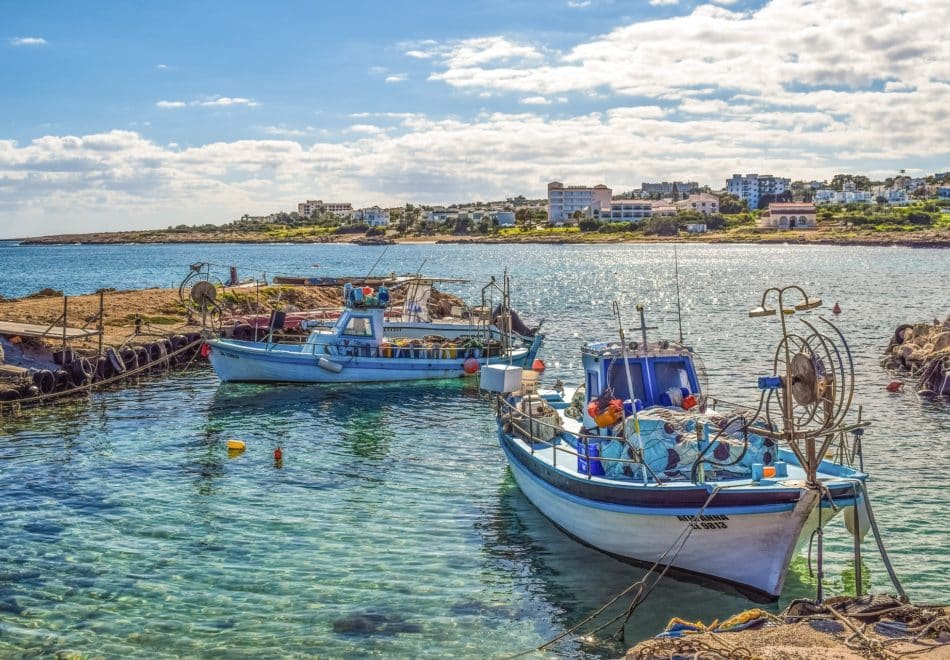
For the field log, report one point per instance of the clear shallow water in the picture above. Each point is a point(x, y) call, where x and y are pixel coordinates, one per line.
point(393, 526)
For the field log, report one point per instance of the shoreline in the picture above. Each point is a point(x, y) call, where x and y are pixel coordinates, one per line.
point(922, 239)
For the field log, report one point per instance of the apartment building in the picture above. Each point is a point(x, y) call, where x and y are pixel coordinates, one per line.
point(702, 203)
point(752, 187)
point(665, 188)
point(314, 207)
point(563, 200)
point(625, 210)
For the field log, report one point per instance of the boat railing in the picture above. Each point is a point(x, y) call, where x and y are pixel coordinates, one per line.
point(537, 430)
point(557, 431)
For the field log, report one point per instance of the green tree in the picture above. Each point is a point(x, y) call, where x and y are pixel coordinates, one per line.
point(730, 204)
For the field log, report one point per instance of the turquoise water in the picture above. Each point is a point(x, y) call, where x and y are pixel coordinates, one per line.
point(393, 526)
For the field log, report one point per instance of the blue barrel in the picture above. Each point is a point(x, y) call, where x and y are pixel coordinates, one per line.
point(588, 453)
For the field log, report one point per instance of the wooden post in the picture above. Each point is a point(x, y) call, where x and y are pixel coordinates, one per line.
point(101, 307)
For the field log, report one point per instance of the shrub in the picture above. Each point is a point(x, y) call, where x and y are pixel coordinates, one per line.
point(589, 224)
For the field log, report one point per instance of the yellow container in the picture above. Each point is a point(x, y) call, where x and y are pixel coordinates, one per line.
point(386, 349)
point(449, 352)
point(236, 445)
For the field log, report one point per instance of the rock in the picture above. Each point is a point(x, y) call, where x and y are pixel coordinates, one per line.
point(372, 622)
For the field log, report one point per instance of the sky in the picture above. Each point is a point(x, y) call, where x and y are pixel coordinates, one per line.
point(133, 115)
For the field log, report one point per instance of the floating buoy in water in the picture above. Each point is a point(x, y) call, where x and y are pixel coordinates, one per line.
point(895, 386)
point(470, 366)
point(236, 445)
point(538, 364)
point(836, 309)
point(278, 454)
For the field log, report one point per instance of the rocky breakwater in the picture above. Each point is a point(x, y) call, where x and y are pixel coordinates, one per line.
point(921, 352)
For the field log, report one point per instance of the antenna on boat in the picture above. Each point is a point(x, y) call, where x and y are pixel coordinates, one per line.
point(679, 314)
point(376, 263)
point(626, 366)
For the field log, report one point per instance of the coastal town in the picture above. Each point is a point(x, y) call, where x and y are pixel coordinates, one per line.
point(747, 208)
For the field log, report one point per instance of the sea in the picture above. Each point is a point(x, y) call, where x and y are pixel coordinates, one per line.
point(393, 526)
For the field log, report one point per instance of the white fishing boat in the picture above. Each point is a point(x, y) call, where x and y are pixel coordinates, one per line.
point(639, 463)
point(361, 346)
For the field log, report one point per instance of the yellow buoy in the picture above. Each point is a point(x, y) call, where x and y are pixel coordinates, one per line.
point(236, 445)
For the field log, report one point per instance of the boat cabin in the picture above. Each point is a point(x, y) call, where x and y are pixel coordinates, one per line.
point(660, 374)
point(360, 325)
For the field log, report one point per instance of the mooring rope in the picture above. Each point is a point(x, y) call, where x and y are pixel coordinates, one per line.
point(680, 540)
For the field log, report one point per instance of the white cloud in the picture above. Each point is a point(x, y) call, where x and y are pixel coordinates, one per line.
point(227, 101)
point(578, 4)
point(161, 67)
point(657, 3)
point(397, 78)
point(284, 131)
point(214, 102)
point(535, 100)
point(418, 54)
point(28, 41)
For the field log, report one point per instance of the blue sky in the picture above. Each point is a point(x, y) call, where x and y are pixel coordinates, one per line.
point(120, 115)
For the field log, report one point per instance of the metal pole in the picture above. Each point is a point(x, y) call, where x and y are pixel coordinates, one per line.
point(65, 308)
point(679, 314)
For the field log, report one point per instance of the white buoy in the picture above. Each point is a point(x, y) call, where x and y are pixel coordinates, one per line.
point(856, 518)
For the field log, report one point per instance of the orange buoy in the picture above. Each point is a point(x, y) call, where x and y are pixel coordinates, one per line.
point(895, 386)
point(470, 366)
point(537, 365)
point(836, 309)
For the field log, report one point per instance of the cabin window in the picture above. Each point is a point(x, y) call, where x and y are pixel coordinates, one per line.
point(671, 374)
point(593, 385)
point(359, 326)
point(617, 379)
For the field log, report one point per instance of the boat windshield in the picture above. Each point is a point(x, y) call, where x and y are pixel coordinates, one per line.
point(359, 326)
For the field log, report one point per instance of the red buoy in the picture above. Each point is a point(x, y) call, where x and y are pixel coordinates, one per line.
point(836, 309)
point(470, 366)
point(278, 454)
point(205, 350)
point(895, 386)
point(537, 365)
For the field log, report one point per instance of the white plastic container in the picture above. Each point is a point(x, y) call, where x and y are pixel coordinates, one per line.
point(501, 378)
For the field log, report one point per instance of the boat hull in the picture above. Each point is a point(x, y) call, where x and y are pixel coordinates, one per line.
point(246, 362)
point(749, 545)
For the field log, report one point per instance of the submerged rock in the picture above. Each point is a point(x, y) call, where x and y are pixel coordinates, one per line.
point(373, 622)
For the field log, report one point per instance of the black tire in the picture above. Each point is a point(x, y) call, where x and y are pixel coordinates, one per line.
point(118, 365)
point(63, 357)
point(243, 332)
point(141, 355)
point(129, 359)
point(82, 370)
point(45, 381)
point(64, 380)
point(104, 369)
point(157, 354)
point(9, 394)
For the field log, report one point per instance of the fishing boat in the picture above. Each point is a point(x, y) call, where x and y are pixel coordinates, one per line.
point(641, 463)
point(361, 346)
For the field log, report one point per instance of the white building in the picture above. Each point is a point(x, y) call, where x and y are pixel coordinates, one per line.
point(625, 210)
point(701, 203)
point(373, 216)
point(314, 207)
point(789, 216)
point(753, 187)
point(563, 200)
point(829, 196)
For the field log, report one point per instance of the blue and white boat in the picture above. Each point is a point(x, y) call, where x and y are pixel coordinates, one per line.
point(358, 347)
point(639, 463)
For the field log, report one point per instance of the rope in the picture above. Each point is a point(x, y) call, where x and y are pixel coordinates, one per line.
point(681, 539)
